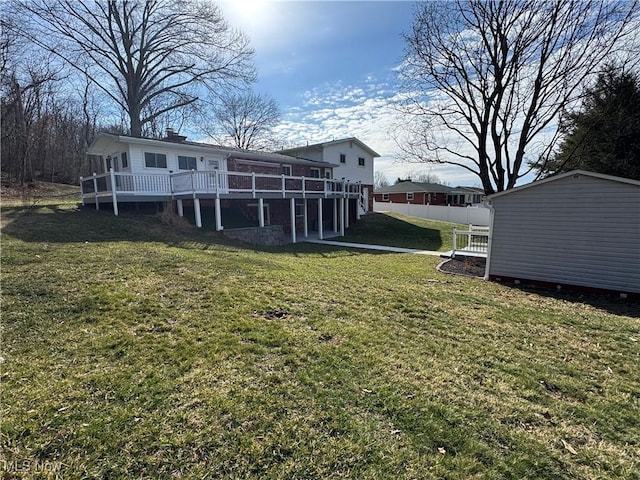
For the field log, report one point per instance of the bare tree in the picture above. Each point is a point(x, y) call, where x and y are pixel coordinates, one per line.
point(487, 79)
point(380, 180)
point(246, 120)
point(141, 53)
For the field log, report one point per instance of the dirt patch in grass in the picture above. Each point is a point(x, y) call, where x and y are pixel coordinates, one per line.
point(272, 314)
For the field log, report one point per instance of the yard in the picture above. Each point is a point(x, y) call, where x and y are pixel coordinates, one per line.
point(132, 349)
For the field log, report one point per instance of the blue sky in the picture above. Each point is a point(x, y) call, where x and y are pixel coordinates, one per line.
point(330, 65)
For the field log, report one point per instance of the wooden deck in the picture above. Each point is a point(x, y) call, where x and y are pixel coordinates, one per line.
point(128, 187)
point(119, 187)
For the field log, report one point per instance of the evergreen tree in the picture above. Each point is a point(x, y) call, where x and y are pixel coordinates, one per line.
point(604, 135)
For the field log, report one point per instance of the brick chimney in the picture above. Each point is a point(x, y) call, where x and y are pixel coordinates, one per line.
point(172, 136)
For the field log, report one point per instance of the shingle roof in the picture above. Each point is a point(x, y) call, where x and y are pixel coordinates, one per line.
point(321, 145)
point(409, 187)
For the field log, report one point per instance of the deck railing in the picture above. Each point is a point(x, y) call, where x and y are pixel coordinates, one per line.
point(474, 239)
point(211, 182)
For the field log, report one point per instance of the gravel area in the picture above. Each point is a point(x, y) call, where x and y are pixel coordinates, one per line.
point(468, 266)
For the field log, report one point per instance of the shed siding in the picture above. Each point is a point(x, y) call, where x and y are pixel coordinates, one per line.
point(578, 230)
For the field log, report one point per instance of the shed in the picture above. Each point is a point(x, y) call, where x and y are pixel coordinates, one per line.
point(578, 229)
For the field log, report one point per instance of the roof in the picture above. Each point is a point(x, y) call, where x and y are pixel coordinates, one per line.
point(560, 176)
point(320, 146)
point(104, 140)
point(413, 187)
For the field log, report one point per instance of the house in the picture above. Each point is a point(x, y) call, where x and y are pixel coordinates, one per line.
point(353, 160)
point(419, 193)
point(577, 229)
point(233, 187)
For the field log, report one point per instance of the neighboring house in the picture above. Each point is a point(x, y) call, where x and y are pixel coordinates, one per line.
point(577, 229)
point(419, 193)
point(353, 161)
point(231, 186)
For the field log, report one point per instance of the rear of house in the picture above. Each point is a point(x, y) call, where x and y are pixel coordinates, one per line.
point(578, 229)
point(230, 187)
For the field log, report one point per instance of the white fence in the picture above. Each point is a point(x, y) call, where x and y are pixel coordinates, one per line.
point(466, 215)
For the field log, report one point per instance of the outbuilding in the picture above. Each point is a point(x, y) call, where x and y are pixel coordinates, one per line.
point(577, 230)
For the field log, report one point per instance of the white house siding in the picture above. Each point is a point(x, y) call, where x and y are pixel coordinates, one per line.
point(172, 153)
point(350, 169)
point(577, 230)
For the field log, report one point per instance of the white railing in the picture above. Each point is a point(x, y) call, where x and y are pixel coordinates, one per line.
point(474, 239)
point(212, 182)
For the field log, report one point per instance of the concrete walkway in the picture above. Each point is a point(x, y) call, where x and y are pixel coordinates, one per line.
point(381, 248)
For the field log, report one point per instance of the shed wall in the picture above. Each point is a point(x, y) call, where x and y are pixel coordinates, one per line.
point(578, 230)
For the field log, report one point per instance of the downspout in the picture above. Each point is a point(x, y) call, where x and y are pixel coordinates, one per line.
point(489, 241)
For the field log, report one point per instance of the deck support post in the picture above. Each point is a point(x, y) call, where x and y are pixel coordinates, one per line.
point(180, 208)
point(219, 226)
point(335, 215)
point(320, 233)
point(261, 212)
point(196, 208)
point(346, 212)
point(114, 194)
point(95, 190)
point(292, 208)
point(305, 218)
point(342, 216)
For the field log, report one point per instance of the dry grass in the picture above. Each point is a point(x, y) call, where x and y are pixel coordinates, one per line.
point(136, 350)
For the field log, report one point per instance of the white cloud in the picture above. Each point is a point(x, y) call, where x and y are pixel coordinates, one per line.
point(366, 111)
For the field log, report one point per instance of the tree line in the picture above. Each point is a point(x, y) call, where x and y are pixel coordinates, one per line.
point(72, 69)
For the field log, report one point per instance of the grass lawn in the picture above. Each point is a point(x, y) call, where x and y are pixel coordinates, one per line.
point(397, 230)
point(135, 350)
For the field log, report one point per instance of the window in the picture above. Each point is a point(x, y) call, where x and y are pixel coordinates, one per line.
point(360, 162)
point(187, 163)
point(343, 158)
point(299, 209)
point(409, 195)
point(327, 173)
point(108, 163)
point(286, 170)
point(315, 172)
point(385, 197)
point(155, 160)
point(124, 160)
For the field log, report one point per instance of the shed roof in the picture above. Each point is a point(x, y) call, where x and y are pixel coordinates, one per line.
point(560, 176)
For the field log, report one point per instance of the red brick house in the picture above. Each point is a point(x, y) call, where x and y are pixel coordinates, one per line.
point(419, 193)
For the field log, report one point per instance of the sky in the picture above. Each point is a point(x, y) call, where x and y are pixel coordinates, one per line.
point(331, 67)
